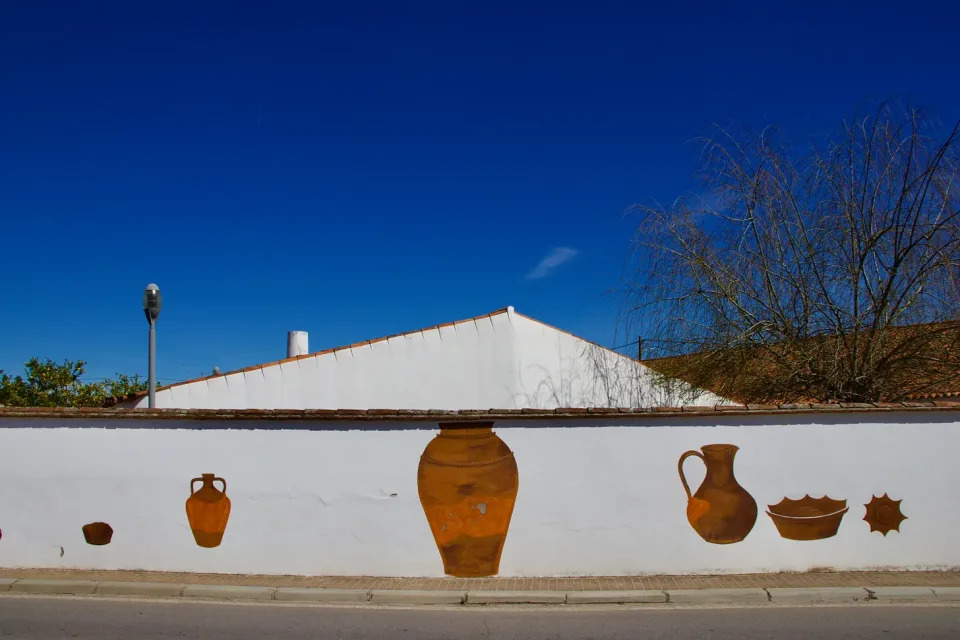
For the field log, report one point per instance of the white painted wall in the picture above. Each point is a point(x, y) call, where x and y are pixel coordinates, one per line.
point(504, 361)
point(557, 369)
point(593, 500)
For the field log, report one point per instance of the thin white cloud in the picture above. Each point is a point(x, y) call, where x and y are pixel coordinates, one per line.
point(550, 263)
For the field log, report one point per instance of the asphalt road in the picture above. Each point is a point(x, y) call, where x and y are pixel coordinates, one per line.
point(41, 618)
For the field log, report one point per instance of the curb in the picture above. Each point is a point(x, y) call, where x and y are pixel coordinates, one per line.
point(947, 594)
point(326, 596)
point(55, 587)
point(904, 594)
point(223, 592)
point(702, 597)
point(616, 597)
point(718, 596)
point(142, 589)
point(516, 597)
point(389, 596)
point(827, 595)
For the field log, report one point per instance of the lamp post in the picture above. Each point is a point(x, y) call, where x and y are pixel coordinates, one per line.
point(151, 308)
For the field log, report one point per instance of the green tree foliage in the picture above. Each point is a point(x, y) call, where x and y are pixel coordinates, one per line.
point(49, 384)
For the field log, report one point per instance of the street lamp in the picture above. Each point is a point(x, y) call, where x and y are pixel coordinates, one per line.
point(151, 308)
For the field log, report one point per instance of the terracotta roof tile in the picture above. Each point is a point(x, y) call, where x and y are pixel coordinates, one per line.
point(109, 402)
point(944, 387)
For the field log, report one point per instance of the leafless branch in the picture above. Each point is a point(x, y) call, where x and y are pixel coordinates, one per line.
point(827, 275)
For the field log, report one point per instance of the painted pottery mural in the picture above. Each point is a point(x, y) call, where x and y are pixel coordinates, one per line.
point(721, 511)
point(807, 518)
point(884, 515)
point(467, 481)
point(208, 510)
point(98, 533)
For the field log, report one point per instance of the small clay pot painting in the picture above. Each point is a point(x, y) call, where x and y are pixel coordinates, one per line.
point(208, 510)
point(98, 533)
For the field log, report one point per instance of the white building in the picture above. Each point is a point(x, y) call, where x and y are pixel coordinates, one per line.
point(502, 360)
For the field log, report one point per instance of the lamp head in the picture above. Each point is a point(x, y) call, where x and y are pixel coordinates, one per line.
point(152, 302)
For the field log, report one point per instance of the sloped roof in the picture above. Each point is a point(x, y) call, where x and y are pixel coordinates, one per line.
point(113, 401)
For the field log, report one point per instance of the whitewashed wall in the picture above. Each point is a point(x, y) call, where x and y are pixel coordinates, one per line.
point(555, 369)
point(593, 500)
point(504, 360)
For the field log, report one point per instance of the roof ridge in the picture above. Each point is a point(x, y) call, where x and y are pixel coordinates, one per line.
point(111, 401)
point(581, 338)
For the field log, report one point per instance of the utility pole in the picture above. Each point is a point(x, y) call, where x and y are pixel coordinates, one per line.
point(151, 308)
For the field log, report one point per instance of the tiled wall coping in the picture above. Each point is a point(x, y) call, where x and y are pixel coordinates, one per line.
point(434, 415)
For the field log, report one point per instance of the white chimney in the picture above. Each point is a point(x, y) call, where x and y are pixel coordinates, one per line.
point(297, 344)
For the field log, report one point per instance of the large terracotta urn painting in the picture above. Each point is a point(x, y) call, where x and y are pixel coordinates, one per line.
point(208, 510)
point(721, 511)
point(467, 480)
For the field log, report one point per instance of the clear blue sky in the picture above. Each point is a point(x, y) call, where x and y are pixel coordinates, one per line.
point(356, 169)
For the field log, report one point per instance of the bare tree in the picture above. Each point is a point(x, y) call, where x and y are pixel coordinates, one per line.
point(827, 275)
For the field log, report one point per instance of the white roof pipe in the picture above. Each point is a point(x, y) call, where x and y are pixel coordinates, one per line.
point(297, 344)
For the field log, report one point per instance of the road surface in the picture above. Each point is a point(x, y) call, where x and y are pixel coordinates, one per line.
point(39, 618)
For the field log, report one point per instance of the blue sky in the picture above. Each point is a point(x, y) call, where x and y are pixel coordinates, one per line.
point(359, 170)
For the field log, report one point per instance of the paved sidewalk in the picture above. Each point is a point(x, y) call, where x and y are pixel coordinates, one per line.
point(605, 583)
point(753, 589)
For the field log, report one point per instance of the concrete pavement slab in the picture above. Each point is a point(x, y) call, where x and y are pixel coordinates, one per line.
point(301, 594)
point(834, 595)
point(5, 583)
point(218, 592)
point(516, 597)
point(60, 587)
point(717, 596)
point(615, 597)
point(807, 595)
point(143, 589)
point(903, 594)
point(947, 594)
point(407, 596)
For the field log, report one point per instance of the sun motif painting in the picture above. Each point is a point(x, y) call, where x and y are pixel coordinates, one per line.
point(884, 515)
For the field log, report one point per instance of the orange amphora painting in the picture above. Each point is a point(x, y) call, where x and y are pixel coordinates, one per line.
point(468, 482)
point(721, 511)
point(208, 510)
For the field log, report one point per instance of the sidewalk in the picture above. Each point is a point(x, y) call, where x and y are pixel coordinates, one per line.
point(781, 588)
